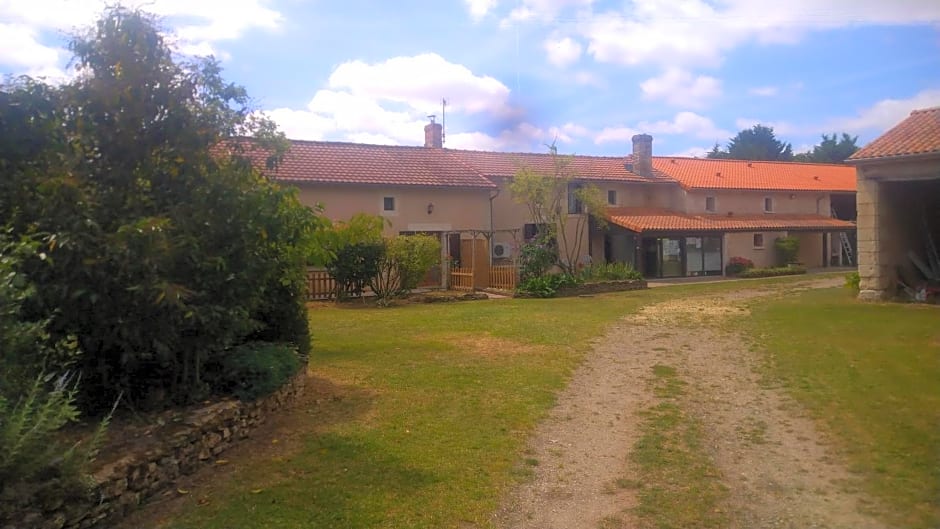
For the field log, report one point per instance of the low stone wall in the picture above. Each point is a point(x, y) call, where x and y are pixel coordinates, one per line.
point(149, 461)
point(600, 288)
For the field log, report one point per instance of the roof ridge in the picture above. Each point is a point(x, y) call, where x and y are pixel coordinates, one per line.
point(735, 160)
point(925, 110)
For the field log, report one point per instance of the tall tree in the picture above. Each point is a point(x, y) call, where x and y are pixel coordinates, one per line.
point(560, 205)
point(755, 143)
point(162, 251)
point(832, 149)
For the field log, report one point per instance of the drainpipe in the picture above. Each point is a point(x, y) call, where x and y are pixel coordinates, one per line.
point(492, 197)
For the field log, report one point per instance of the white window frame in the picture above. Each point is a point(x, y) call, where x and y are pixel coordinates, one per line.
point(771, 202)
point(714, 208)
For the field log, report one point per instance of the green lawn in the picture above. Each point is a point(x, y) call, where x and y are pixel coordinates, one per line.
point(870, 373)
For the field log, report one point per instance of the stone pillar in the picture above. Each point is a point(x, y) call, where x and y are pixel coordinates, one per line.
point(874, 268)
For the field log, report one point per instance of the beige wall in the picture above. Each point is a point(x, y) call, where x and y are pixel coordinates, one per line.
point(453, 208)
point(811, 248)
point(742, 245)
point(752, 202)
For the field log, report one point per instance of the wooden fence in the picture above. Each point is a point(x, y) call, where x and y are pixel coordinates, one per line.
point(319, 284)
point(461, 278)
point(503, 277)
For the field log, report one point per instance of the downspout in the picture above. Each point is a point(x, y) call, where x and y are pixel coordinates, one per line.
point(492, 198)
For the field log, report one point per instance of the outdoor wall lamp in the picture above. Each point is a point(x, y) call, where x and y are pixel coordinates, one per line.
point(430, 208)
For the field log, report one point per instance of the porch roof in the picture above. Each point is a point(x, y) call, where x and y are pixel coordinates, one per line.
point(663, 220)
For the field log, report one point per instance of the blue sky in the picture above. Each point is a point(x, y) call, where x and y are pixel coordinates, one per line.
point(517, 75)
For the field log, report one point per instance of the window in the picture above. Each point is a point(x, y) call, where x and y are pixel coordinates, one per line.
point(758, 240)
point(575, 206)
point(768, 205)
point(710, 204)
point(388, 204)
point(612, 197)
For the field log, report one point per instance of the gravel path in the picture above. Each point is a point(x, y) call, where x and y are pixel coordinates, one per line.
point(775, 464)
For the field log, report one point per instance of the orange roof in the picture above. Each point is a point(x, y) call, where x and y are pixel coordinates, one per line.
point(918, 134)
point(356, 163)
point(663, 220)
point(505, 164)
point(705, 173)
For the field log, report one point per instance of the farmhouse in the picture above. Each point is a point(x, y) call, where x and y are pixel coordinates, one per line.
point(666, 216)
point(899, 208)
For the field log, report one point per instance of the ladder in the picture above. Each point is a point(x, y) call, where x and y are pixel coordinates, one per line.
point(846, 243)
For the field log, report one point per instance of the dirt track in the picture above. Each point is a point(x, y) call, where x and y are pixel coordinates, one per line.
point(774, 462)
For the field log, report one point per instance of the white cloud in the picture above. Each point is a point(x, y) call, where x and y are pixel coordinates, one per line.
point(199, 24)
point(615, 134)
point(685, 123)
point(543, 10)
point(678, 87)
point(884, 114)
point(567, 132)
point(387, 103)
point(691, 152)
point(764, 91)
point(694, 32)
point(421, 81)
point(479, 8)
point(562, 52)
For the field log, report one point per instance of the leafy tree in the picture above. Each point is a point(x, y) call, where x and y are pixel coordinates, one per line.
point(163, 246)
point(362, 228)
point(755, 143)
point(560, 204)
point(832, 149)
point(406, 260)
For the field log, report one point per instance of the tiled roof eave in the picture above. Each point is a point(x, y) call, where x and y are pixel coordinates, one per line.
point(295, 180)
point(890, 158)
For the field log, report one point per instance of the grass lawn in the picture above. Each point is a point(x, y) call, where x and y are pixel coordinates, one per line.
point(870, 373)
point(448, 395)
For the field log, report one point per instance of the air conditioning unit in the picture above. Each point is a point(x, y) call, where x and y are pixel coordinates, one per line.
point(501, 250)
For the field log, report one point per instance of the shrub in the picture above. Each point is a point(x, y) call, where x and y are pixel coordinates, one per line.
point(772, 272)
point(787, 249)
point(33, 461)
point(546, 286)
point(256, 369)
point(609, 272)
point(853, 281)
point(406, 260)
point(354, 266)
point(537, 258)
point(736, 265)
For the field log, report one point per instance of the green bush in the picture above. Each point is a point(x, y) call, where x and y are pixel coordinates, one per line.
point(161, 243)
point(853, 281)
point(354, 267)
point(34, 463)
point(788, 248)
point(256, 369)
point(772, 272)
point(405, 261)
point(537, 258)
point(597, 273)
point(546, 286)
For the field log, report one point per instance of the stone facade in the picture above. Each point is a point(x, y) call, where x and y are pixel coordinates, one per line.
point(124, 476)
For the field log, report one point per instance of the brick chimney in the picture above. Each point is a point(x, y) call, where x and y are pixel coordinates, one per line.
point(643, 155)
point(433, 134)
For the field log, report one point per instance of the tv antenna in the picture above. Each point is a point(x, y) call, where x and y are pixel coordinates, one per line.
point(443, 121)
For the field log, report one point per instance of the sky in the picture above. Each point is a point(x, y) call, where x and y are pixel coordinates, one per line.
point(519, 75)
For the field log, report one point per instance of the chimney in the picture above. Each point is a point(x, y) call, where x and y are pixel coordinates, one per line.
point(643, 155)
point(433, 134)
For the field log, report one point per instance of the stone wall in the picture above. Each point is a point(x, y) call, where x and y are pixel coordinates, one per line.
point(149, 459)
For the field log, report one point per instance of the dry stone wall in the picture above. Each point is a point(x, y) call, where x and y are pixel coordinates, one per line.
point(176, 444)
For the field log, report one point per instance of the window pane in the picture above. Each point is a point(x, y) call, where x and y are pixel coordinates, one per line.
point(758, 240)
point(388, 203)
point(709, 203)
point(693, 255)
point(612, 197)
point(712, 248)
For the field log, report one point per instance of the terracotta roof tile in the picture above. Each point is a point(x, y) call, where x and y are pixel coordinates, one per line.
point(505, 164)
point(919, 133)
point(663, 220)
point(355, 163)
point(705, 173)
